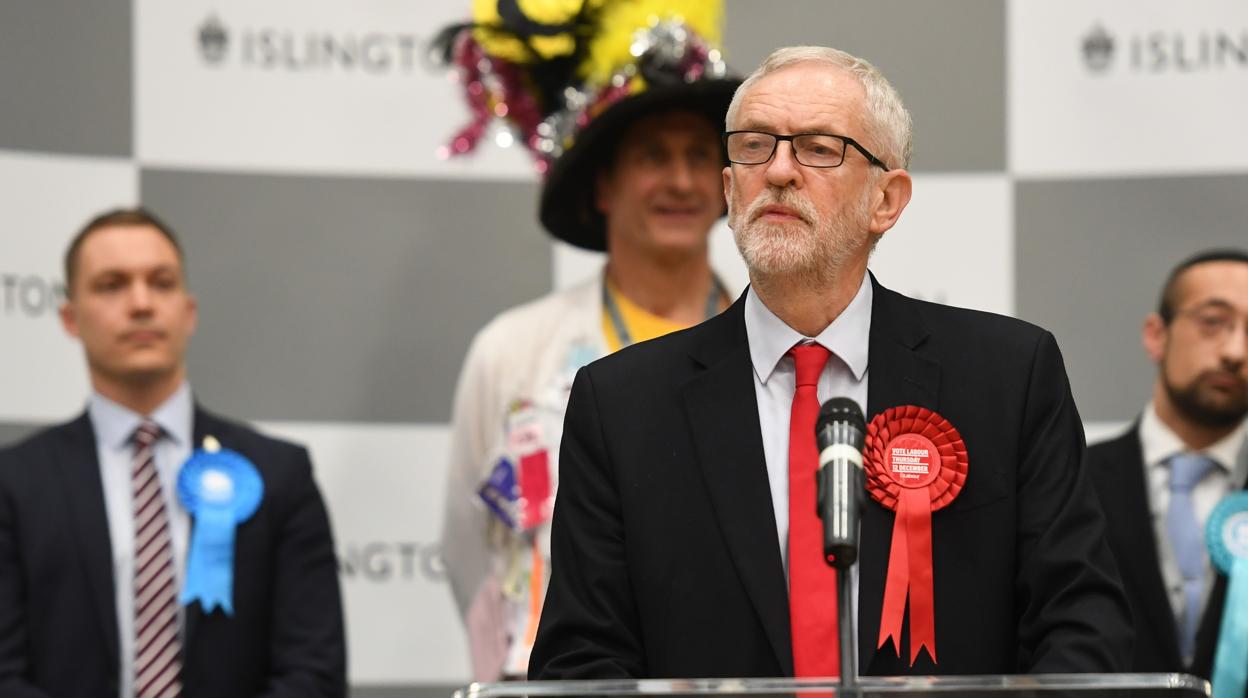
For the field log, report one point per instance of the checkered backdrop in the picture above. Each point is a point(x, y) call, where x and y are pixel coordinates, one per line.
point(1067, 154)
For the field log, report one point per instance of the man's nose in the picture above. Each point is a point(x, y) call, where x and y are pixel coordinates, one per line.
point(783, 169)
point(1235, 344)
point(680, 174)
point(140, 298)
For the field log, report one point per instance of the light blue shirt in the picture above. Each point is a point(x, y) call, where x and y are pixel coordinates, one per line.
point(114, 427)
point(775, 381)
point(1159, 443)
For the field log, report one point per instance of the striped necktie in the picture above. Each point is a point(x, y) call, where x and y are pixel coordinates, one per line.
point(157, 648)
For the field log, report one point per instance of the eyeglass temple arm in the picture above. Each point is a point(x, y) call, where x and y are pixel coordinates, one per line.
point(870, 158)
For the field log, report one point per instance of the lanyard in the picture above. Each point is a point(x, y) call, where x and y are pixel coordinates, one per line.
point(617, 319)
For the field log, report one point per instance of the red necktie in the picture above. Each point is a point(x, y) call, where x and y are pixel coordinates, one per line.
point(812, 582)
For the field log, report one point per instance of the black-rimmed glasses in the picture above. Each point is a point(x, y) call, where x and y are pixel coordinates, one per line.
point(809, 149)
point(1214, 321)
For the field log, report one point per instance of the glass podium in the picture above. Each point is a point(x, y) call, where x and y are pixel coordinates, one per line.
point(1040, 685)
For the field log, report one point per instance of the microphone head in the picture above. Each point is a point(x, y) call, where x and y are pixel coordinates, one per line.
point(841, 409)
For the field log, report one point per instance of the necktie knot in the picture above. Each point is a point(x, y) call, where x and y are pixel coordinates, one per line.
point(809, 360)
point(146, 434)
point(1187, 469)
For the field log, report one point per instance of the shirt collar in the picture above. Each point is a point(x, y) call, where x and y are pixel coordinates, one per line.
point(1159, 443)
point(847, 337)
point(115, 424)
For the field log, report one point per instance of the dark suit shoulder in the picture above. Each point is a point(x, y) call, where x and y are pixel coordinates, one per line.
point(283, 465)
point(994, 349)
point(664, 359)
point(968, 323)
point(1125, 446)
point(37, 447)
point(1115, 467)
point(237, 435)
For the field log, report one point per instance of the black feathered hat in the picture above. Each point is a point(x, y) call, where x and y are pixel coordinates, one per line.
point(570, 76)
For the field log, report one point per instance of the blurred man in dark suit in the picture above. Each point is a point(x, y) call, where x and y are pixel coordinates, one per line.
point(97, 521)
point(1159, 481)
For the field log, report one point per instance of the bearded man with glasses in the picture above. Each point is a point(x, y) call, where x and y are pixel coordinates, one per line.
point(685, 542)
point(1160, 481)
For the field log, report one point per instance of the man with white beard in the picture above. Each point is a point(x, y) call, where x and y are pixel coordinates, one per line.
point(685, 539)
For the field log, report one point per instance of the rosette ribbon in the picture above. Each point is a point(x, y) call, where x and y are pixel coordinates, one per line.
point(916, 464)
point(1226, 534)
point(221, 489)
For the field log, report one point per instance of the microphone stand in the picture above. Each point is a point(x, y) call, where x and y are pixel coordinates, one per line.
point(839, 428)
point(845, 624)
point(843, 558)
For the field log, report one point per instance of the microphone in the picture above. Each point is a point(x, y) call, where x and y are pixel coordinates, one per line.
point(839, 433)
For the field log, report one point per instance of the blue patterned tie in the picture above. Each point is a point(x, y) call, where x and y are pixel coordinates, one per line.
point(1188, 541)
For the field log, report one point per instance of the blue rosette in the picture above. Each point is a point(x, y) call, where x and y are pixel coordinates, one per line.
point(1227, 536)
point(221, 489)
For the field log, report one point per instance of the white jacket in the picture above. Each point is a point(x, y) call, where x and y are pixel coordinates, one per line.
point(529, 353)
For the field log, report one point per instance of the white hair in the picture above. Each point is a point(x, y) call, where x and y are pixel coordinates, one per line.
point(888, 123)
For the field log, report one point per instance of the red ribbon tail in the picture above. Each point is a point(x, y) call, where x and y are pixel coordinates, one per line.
point(895, 587)
point(915, 510)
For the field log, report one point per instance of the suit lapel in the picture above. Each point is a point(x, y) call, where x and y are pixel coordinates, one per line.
point(723, 417)
point(1211, 621)
point(899, 373)
point(78, 464)
point(1140, 561)
point(204, 424)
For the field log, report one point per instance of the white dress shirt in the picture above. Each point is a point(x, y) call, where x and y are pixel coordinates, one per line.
point(775, 381)
point(114, 426)
point(1159, 443)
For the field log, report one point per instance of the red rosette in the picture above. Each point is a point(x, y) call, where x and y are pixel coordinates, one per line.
point(916, 464)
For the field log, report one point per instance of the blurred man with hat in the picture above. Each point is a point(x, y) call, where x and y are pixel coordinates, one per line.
point(621, 103)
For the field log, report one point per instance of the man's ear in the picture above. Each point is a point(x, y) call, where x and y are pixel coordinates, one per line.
point(892, 195)
point(1154, 336)
point(193, 307)
point(69, 319)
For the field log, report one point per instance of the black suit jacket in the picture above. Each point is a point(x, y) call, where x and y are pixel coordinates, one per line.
point(1117, 470)
point(665, 557)
point(58, 623)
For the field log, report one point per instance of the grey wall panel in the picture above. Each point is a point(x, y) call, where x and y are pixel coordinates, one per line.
point(1091, 258)
point(66, 81)
point(12, 433)
point(947, 59)
point(326, 298)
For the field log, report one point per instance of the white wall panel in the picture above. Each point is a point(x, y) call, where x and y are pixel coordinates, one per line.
point(46, 200)
point(1121, 88)
point(954, 243)
point(384, 487)
point(288, 85)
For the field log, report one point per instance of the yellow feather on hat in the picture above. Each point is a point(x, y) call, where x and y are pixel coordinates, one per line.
point(619, 21)
point(616, 23)
point(549, 12)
